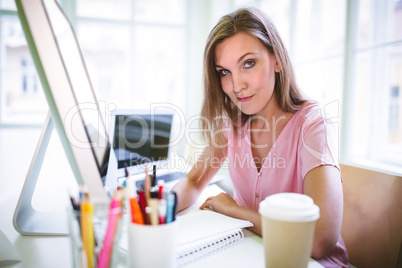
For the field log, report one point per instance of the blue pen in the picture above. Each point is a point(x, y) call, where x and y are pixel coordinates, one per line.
point(170, 206)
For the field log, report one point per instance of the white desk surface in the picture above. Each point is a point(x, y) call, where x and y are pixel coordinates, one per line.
point(17, 147)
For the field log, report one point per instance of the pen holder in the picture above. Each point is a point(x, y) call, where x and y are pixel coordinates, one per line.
point(99, 221)
point(152, 245)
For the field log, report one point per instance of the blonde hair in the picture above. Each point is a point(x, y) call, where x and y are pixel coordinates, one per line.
point(216, 104)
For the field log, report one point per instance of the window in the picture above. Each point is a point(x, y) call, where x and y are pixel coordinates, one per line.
point(318, 49)
point(124, 44)
point(21, 96)
point(373, 87)
point(346, 54)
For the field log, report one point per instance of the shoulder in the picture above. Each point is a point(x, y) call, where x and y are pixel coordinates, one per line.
point(318, 137)
point(316, 128)
point(310, 110)
point(311, 115)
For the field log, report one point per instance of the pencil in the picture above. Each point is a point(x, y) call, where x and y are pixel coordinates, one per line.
point(87, 230)
point(114, 216)
point(147, 186)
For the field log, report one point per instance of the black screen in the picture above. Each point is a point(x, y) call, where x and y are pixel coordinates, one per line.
point(141, 138)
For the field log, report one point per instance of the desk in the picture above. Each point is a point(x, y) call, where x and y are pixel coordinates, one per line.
point(248, 253)
point(16, 150)
point(41, 251)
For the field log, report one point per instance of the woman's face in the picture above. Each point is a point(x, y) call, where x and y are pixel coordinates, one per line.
point(247, 72)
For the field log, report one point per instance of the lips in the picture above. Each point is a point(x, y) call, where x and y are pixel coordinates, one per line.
point(245, 99)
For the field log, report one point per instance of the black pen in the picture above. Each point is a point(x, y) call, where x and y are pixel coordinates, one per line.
point(153, 184)
point(175, 206)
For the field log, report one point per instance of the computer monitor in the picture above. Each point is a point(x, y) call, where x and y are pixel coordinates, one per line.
point(73, 106)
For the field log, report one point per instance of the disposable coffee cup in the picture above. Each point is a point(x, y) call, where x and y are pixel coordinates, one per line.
point(288, 222)
point(152, 245)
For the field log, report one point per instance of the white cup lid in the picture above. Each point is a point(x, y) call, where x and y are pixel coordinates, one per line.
point(291, 207)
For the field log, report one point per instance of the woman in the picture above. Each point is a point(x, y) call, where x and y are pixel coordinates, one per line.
point(274, 140)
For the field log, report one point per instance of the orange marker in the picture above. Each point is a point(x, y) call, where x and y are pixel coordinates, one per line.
point(135, 210)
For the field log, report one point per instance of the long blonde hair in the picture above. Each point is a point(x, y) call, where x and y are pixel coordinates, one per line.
point(216, 104)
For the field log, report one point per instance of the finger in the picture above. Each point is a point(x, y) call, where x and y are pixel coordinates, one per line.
point(206, 204)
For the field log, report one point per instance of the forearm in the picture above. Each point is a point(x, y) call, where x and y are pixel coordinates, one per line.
point(190, 187)
point(323, 184)
point(244, 213)
point(326, 232)
point(187, 193)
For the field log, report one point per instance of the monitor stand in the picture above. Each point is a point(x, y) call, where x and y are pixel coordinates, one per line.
point(27, 220)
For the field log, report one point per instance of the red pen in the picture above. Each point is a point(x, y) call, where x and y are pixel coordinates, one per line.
point(162, 206)
point(143, 205)
point(161, 183)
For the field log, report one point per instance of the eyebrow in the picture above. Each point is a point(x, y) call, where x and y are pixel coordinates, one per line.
point(240, 59)
point(245, 55)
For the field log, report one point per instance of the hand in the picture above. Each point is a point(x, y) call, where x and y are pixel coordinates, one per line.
point(222, 203)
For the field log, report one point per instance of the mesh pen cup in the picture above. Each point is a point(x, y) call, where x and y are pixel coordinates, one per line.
point(288, 223)
point(99, 221)
point(152, 245)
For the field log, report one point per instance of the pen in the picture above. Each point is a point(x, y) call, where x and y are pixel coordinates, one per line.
point(82, 190)
point(143, 205)
point(174, 206)
point(136, 214)
point(170, 209)
point(147, 193)
point(162, 206)
point(153, 204)
point(161, 183)
point(148, 212)
point(153, 183)
point(87, 230)
point(76, 210)
point(114, 215)
point(133, 206)
point(147, 186)
point(74, 204)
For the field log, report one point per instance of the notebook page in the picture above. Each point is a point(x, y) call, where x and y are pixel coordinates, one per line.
point(203, 224)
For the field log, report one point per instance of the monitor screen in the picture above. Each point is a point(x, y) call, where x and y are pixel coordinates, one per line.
point(140, 138)
point(86, 103)
point(72, 102)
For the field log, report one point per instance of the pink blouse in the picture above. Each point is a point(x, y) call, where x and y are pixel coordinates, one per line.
point(308, 140)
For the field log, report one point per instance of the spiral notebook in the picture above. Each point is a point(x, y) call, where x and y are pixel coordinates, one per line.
point(204, 232)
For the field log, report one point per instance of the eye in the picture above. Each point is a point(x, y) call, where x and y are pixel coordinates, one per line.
point(223, 72)
point(249, 64)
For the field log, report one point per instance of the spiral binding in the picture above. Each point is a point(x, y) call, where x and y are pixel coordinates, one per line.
point(194, 251)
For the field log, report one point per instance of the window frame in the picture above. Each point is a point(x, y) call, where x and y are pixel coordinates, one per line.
point(390, 165)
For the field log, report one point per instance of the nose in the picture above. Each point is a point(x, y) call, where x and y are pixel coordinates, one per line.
point(238, 83)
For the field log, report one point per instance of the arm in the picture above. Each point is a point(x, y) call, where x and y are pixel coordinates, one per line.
point(323, 184)
point(190, 187)
point(225, 204)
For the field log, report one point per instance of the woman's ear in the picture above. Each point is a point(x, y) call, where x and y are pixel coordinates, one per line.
point(277, 68)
